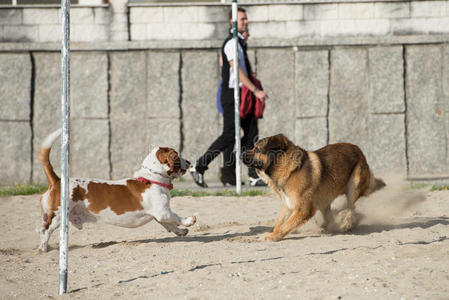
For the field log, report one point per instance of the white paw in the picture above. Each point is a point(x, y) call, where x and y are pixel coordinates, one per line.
point(189, 221)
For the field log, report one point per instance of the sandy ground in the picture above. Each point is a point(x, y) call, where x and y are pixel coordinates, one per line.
point(400, 250)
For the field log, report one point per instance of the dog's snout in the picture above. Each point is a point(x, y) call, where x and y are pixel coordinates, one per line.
point(185, 164)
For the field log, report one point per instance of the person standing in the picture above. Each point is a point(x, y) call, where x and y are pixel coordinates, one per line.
point(225, 142)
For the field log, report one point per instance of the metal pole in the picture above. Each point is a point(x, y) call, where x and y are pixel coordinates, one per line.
point(238, 167)
point(65, 144)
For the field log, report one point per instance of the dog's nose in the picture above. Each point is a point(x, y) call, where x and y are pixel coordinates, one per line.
point(186, 164)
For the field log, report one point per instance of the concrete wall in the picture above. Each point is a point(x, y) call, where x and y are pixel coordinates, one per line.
point(43, 24)
point(293, 20)
point(388, 94)
point(208, 21)
point(123, 103)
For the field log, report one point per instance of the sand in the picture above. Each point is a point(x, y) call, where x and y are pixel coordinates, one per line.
point(399, 250)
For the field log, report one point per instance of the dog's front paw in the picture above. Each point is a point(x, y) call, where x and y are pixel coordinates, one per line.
point(190, 221)
point(270, 236)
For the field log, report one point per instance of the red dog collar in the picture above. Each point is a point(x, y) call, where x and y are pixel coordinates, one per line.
point(165, 185)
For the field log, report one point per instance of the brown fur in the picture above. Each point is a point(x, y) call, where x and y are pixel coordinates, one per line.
point(92, 200)
point(169, 156)
point(310, 181)
point(103, 195)
point(100, 196)
point(54, 187)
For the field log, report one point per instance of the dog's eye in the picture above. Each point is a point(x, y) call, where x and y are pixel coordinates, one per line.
point(257, 150)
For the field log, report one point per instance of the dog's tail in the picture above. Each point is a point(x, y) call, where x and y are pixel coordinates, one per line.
point(375, 183)
point(44, 156)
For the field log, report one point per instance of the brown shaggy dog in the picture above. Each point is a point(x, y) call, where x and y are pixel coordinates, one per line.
point(309, 181)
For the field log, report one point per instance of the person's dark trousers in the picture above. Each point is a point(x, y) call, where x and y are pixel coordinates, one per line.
point(227, 137)
point(250, 134)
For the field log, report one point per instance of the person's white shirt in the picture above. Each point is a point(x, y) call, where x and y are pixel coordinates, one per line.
point(229, 50)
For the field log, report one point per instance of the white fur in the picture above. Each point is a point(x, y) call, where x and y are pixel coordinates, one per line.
point(50, 139)
point(129, 219)
point(286, 200)
point(44, 200)
point(156, 202)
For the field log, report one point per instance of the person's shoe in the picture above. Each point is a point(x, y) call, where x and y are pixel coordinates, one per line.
point(197, 177)
point(256, 182)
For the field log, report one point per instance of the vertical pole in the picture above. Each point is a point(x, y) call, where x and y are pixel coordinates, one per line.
point(14, 2)
point(238, 167)
point(65, 144)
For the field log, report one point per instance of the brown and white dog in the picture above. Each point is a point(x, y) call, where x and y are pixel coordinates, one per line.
point(130, 202)
point(309, 181)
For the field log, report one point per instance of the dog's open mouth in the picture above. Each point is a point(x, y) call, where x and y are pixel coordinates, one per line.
point(183, 166)
point(258, 164)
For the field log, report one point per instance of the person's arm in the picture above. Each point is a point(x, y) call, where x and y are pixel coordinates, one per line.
point(249, 85)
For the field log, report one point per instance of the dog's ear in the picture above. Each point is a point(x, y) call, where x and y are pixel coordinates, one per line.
point(296, 156)
point(173, 157)
point(281, 141)
point(162, 155)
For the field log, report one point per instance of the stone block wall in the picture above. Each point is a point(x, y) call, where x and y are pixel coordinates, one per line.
point(427, 120)
point(372, 73)
point(391, 100)
point(127, 102)
point(201, 122)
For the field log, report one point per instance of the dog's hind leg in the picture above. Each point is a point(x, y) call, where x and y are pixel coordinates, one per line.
point(51, 224)
point(296, 219)
point(358, 186)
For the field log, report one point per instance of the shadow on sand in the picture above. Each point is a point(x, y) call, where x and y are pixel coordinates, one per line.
point(203, 238)
point(362, 229)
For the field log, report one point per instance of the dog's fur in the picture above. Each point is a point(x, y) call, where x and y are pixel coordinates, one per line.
point(127, 203)
point(310, 181)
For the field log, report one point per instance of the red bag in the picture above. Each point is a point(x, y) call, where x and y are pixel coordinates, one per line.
point(249, 103)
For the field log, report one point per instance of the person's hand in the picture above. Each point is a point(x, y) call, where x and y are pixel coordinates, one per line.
point(261, 95)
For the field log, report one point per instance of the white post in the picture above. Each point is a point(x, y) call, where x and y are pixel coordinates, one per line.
point(14, 2)
point(65, 144)
point(238, 167)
